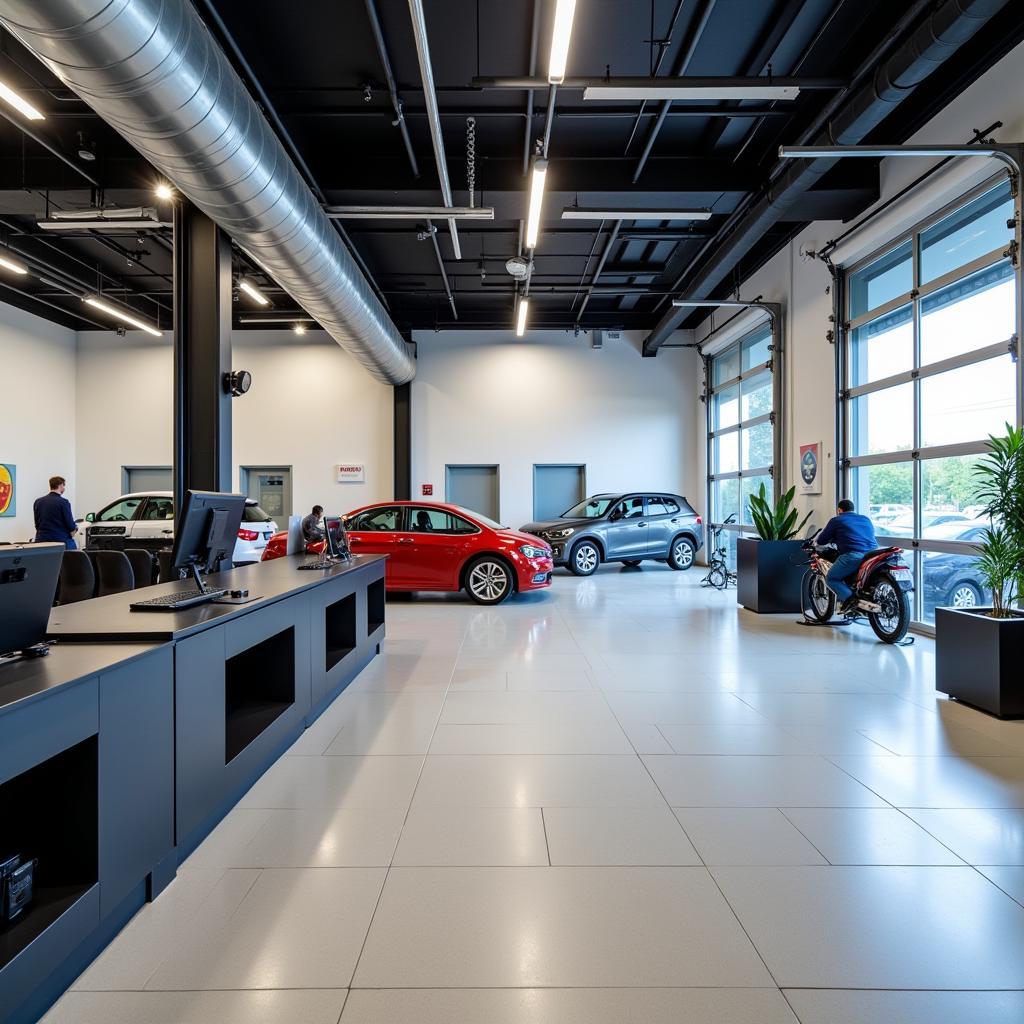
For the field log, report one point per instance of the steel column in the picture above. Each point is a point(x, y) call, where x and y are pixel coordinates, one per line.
point(403, 441)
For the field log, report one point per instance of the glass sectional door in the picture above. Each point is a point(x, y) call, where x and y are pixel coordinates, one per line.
point(930, 371)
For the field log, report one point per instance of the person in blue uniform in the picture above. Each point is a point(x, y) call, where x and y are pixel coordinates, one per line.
point(54, 520)
point(854, 535)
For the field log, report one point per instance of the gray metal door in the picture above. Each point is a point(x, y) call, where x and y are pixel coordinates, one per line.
point(271, 488)
point(146, 479)
point(556, 488)
point(473, 487)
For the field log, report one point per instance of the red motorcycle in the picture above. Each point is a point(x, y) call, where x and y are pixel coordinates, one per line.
point(882, 588)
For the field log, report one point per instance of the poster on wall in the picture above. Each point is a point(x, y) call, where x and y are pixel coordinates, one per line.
point(810, 468)
point(351, 473)
point(8, 485)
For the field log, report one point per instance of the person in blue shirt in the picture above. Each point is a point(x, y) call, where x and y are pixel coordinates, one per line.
point(854, 535)
point(54, 520)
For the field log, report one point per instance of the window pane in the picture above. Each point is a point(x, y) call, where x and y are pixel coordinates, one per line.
point(727, 453)
point(951, 581)
point(970, 314)
point(882, 347)
point(970, 403)
point(726, 365)
point(883, 421)
point(755, 350)
point(949, 508)
point(756, 446)
point(725, 499)
point(726, 411)
point(120, 512)
point(885, 494)
point(885, 279)
point(757, 396)
point(751, 485)
point(970, 232)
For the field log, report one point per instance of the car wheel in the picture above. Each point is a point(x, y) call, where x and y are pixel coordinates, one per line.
point(681, 554)
point(964, 595)
point(631, 563)
point(585, 558)
point(488, 580)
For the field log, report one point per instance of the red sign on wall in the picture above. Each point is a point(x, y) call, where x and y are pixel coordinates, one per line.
point(428, 489)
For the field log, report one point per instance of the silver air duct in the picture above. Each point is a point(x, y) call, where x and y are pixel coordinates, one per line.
point(151, 69)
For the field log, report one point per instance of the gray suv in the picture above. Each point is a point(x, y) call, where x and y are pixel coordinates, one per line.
point(623, 528)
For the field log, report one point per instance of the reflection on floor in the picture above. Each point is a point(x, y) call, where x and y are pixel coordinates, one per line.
point(622, 800)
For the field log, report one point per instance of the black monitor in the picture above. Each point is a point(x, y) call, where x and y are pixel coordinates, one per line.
point(335, 537)
point(28, 584)
point(205, 531)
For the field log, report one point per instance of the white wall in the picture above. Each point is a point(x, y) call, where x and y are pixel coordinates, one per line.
point(492, 398)
point(37, 411)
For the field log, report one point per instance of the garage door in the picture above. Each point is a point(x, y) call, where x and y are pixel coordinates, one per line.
point(473, 487)
point(557, 488)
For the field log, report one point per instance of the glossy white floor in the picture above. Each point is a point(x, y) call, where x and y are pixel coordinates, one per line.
point(624, 800)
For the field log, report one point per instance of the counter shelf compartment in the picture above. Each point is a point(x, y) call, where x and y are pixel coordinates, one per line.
point(374, 606)
point(339, 630)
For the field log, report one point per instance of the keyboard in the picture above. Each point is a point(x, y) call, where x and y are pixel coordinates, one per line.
point(326, 564)
point(175, 602)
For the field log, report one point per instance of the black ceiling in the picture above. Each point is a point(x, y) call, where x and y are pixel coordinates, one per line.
point(318, 65)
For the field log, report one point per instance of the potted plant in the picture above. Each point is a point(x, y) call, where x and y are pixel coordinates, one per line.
point(978, 651)
point(770, 569)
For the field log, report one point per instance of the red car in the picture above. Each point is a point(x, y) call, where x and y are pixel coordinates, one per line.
point(432, 546)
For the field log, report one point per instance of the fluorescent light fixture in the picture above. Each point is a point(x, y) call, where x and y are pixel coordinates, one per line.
point(560, 36)
point(524, 308)
point(537, 182)
point(661, 213)
point(12, 265)
point(691, 92)
point(119, 314)
point(138, 218)
point(829, 152)
point(409, 212)
point(164, 191)
point(20, 104)
point(299, 328)
point(253, 292)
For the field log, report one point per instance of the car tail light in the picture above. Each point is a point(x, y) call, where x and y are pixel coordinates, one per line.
point(248, 535)
point(700, 520)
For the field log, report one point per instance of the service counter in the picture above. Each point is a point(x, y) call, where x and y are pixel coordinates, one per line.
point(131, 740)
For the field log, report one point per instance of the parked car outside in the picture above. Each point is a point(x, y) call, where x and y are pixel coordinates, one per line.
point(146, 520)
point(626, 528)
point(882, 515)
point(953, 580)
point(435, 546)
point(903, 526)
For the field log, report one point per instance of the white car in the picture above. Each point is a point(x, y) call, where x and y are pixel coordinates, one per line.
point(146, 520)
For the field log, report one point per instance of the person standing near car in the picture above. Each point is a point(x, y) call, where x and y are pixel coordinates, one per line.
point(853, 535)
point(53, 517)
point(311, 529)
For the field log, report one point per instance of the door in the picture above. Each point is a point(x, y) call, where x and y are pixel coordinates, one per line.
point(664, 517)
point(271, 488)
point(153, 528)
point(556, 489)
point(440, 544)
point(378, 531)
point(111, 527)
point(627, 529)
point(473, 487)
point(143, 479)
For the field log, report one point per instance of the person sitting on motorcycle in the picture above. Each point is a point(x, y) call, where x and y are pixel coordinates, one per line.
point(854, 535)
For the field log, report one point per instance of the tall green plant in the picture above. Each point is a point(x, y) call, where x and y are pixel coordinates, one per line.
point(1000, 477)
point(775, 520)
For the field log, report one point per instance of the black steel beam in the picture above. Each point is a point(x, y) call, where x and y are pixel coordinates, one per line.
point(403, 442)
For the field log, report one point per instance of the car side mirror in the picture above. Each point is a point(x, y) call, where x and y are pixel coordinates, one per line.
point(90, 517)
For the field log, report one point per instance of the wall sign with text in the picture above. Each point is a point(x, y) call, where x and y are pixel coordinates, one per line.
point(8, 489)
point(351, 473)
point(810, 468)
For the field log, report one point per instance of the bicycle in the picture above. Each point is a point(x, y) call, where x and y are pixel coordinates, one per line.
point(719, 576)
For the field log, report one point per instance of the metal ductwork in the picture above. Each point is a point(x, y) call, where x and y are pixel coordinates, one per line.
point(935, 41)
point(153, 71)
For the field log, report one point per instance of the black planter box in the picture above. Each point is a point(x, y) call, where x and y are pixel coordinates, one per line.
point(770, 574)
point(978, 660)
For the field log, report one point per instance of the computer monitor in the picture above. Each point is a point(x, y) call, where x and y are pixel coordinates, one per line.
point(28, 584)
point(205, 531)
point(335, 537)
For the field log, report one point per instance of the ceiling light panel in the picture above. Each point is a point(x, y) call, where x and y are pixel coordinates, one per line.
point(253, 292)
point(691, 92)
point(662, 213)
point(524, 308)
point(12, 265)
point(560, 36)
point(20, 104)
point(120, 314)
point(538, 180)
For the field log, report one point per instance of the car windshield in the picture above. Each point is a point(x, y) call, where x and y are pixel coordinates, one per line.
point(254, 514)
point(481, 519)
point(592, 508)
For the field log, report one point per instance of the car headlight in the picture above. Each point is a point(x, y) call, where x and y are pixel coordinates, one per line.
point(532, 551)
point(559, 534)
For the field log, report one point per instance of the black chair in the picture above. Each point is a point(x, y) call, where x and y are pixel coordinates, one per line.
point(113, 572)
point(143, 566)
point(77, 580)
point(167, 574)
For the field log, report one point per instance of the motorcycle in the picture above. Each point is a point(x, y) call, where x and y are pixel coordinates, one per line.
point(882, 586)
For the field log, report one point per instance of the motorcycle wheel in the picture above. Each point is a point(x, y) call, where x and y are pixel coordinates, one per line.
point(891, 623)
point(819, 603)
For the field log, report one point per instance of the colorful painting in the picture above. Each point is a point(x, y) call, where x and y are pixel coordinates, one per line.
point(8, 482)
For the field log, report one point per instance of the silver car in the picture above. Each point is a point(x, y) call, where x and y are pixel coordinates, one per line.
point(625, 528)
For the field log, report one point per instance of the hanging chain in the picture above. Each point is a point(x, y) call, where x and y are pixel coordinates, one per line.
point(471, 158)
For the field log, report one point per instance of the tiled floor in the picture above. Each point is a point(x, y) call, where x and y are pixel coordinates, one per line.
point(625, 800)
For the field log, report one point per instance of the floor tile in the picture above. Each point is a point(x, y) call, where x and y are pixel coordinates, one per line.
point(568, 1006)
point(845, 1007)
point(684, 709)
point(1009, 879)
point(220, 849)
point(550, 737)
point(746, 835)
point(932, 736)
point(879, 927)
point(572, 927)
point(307, 1006)
point(387, 724)
point(513, 708)
point(868, 835)
point(616, 836)
point(979, 836)
point(294, 929)
point(471, 836)
point(756, 782)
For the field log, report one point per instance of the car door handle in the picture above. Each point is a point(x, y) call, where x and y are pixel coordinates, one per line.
point(641, 524)
point(405, 540)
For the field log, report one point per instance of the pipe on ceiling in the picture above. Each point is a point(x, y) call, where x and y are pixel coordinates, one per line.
point(935, 41)
point(153, 71)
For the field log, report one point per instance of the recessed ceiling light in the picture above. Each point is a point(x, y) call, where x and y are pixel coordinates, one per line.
point(560, 36)
point(537, 182)
point(299, 328)
point(120, 314)
point(20, 104)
